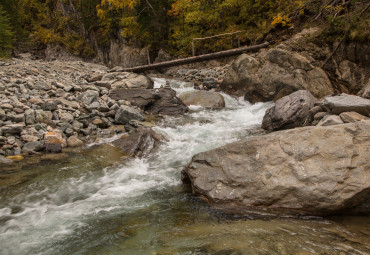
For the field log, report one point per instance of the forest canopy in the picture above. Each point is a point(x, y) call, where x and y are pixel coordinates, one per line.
point(82, 26)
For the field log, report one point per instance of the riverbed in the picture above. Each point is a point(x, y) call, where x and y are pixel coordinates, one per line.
point(99, 202)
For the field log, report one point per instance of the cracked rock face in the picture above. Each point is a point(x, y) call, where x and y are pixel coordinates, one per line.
point(312, 170)
point(274, 74)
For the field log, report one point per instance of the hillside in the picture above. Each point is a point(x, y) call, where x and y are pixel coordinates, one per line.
point(96, 28)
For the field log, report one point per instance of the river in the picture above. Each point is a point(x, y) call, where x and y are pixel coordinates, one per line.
point(94, 202)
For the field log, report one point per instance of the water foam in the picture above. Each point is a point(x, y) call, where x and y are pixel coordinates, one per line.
point(42, 216)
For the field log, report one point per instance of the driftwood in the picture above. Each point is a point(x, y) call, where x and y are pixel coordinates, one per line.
point(184, 61)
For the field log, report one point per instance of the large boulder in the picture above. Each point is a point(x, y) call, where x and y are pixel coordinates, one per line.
point(274, 74)
point(134, 81)
point(155, 101)
point(140, 144)
point(290, 111)
point(312, 170)
point(126, 113)
point(346, 103)
point(205, 99)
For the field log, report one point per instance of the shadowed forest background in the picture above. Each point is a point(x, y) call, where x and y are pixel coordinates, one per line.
point(83, 26)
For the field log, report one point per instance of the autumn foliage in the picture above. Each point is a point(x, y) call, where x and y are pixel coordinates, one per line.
point(83, 26)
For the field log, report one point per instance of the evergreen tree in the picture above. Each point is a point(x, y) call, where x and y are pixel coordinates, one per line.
point(6, 34)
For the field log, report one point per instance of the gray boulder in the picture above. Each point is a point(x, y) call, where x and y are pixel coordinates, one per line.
point(33, 147)
point(155, 101)
point(205, 99)
point(133, 81)
point(311, 170)
point(330, 120)
point(126, 113)
point(274, 74)
point(5, 161)
point(346, 103)
point(290, 111)
point(141, 143)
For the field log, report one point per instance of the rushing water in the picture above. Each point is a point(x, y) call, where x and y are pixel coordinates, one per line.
point(97, 203)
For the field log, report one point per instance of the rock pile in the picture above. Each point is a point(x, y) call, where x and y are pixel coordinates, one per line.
point(204, 79)
point(301, 108)
point(46, 106)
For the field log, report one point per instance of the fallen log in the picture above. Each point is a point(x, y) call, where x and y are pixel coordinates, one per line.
point(184, 61)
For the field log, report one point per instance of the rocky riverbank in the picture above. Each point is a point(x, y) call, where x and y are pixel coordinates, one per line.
point(319, 164)
point(47, 106)
point(320, 169)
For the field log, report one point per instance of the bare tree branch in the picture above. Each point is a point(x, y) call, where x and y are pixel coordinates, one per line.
point(147, 1)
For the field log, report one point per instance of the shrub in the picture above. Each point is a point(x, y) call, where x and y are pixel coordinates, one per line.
point(6, 34)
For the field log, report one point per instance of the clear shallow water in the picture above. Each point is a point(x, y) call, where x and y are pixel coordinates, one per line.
point(98, 203)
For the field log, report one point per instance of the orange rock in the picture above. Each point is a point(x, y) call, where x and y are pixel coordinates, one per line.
point(54, 141)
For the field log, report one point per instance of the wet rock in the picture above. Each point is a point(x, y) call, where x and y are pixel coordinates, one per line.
point(126, 113)
point(141, 143)
point(351, 117)
point(68, 132)
point(311, 170)
point(155, 101)
point(54, 142)
point(205, 99)
point(330, 120)
point(73, 141)
point(290, 111)
point(33, 147)
point(5, 161)
point(273, 75)
point(346, 103)
point(100, 123)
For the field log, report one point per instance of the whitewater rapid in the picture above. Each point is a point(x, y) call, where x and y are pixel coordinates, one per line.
point(68, 207)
